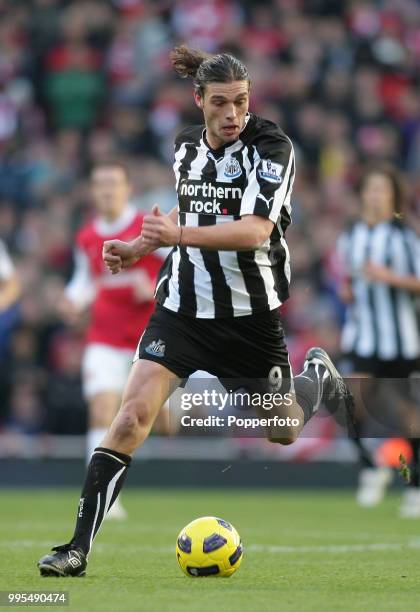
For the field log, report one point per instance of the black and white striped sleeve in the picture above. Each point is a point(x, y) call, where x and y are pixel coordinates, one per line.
point(412, 245)
point(270, 181)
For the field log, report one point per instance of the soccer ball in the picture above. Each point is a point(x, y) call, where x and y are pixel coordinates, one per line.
point(209, 546)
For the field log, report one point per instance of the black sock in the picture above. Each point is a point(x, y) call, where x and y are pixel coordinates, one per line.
point(105, 476)
point(414, 468)
point(309, 387)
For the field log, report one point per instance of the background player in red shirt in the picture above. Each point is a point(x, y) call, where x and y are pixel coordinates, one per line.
point(120, 306)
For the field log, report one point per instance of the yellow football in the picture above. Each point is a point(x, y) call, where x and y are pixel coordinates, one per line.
point(209, 546)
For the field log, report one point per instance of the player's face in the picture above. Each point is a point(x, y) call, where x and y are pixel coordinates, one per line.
point(225, 106)
point(111, 190)
point(377, 198)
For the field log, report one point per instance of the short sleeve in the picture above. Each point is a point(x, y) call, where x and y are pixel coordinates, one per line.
point(270, 181)
point(412, 243)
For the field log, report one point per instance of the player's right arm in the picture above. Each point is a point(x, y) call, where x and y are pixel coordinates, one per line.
point(119, 255)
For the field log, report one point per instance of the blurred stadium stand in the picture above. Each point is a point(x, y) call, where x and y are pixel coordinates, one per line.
point(83, 80)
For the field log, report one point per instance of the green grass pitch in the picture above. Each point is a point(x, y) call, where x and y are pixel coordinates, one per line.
point(302, 551)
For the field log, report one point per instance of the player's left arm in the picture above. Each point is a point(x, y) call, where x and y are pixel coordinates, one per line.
point(382, 274)
point(408, 250)
point(268, 188)
point(243, 235)
point(119, 255)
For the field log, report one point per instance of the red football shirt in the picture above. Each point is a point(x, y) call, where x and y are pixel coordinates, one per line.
point(117, 318)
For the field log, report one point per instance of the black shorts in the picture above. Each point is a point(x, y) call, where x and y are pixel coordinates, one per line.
point(241, 348)
point(379, 368)
point(379, 396)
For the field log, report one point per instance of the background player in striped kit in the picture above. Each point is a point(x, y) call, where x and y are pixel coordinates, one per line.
point(119, 311)
point(220, 289)
point(381, 258)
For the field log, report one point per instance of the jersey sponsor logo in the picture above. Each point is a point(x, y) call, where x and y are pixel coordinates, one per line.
point(209, 198)
point(209, 190)
point(209, 208)
point(156, 348)
point(270, 171)
point(232, 168)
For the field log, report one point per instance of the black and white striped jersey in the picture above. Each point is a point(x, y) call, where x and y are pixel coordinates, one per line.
point(254, 175)
point(382, 321)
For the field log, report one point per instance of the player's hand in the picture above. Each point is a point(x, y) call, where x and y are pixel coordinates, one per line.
point(159, 230)
point(119, 255)
point(378, 274)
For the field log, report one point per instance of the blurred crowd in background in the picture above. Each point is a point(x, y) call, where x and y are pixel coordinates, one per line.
point(86, 80)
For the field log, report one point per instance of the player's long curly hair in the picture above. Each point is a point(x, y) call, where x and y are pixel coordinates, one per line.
point(394, 176)
point(204, 68)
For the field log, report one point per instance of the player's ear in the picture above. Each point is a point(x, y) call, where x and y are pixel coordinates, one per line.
point(198, 100)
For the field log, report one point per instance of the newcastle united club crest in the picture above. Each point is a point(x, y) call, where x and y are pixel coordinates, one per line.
point(232, 168)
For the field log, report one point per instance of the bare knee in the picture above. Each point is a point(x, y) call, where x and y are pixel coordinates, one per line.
point(133, 419)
